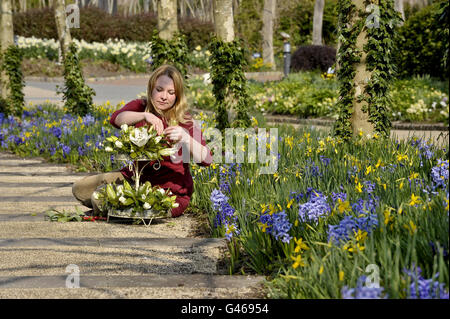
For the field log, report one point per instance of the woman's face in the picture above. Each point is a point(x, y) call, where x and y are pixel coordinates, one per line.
point(163, 94)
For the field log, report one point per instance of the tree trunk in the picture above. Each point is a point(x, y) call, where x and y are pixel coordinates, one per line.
point(223, 20)
point(146, 6)
point(6, 39)
point(268, 17)
point(317, 22)
point(399, 8)
point(360, 119)
point(167, 19)
point(64, 37)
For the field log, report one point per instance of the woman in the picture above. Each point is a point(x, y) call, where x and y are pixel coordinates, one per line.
point(165, 103)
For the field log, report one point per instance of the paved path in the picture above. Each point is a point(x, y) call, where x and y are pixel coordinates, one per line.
point(115, 259)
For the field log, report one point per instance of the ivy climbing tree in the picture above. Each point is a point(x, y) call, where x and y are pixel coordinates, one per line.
point(12, 65)
point(76, 94)
point(227, 62)
point(364, 66)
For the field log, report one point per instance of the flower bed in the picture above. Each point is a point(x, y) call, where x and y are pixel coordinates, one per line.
point(367, 219)
point(359, 220)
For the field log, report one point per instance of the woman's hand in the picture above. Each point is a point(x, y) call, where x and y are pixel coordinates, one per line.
point(155, 121)
point(177, 134)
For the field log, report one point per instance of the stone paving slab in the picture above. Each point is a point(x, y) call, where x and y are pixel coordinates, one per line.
point(113, 242)
point(39, 206)
point(39, 261)
point(30, 192)
point(248, 292)
point(180, 227)
point(120, 281)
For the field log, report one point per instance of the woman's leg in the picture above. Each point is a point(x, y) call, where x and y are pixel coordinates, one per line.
point(84, 188)
point(183, 202)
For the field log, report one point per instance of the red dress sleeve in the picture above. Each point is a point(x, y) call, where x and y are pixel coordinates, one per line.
point(137, 105)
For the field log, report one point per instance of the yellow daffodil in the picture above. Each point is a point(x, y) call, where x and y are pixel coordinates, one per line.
point(341, 275)
point(359, 187)
point(343, 206)
point(321, 270)
point(411, 227)
point(297, 261)
point(414, 200)
point(300, 245)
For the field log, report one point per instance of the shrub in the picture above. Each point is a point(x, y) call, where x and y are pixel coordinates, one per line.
point(313, 57)
point(97, 25)
point(420, 46)
point(76, 94)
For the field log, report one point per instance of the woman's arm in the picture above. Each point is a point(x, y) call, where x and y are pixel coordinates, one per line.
point(199, 152)
point(131, 117)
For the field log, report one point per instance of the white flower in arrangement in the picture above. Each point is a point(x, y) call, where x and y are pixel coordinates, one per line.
point(124, 127)
point(147, 205)
point(158, 138)
point(139, 136)
point(122, 199)
point(108, 149)
point(119, 144)
point(119, 190)
point(143, 196)
point(162, 191)
point(95, 195)
point(168, 151)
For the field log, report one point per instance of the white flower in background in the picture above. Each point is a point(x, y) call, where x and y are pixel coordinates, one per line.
point(122, 199)
point(162, 191)
point(147, 205)
point(143, 196)
point(118, 144)
point(108, 149)
point(139, 136)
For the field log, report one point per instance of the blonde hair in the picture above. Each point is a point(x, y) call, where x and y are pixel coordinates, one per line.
point(178, 111)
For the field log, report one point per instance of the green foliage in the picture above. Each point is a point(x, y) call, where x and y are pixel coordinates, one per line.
point(76, 94)
point(63, 217)
point(379, 63)
point(296, 18)
point(173, 52)
point(227, 62)
point(422, 42)
point(11, 62)
point(347, 57)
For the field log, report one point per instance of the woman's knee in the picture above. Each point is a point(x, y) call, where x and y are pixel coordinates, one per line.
point(83, 188)
point(183, 203)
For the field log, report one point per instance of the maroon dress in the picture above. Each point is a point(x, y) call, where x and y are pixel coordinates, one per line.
point(173, 175)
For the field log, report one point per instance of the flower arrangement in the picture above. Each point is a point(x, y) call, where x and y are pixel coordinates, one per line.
point(143, 201)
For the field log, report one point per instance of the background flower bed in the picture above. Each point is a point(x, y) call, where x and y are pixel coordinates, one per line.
point(329, 210)
point(311, 95)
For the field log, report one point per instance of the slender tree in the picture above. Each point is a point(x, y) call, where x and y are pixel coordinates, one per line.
point(167, 19)
point(318, 22)
point(6, 40)
point(64, 37)
point(399, 8)
point(223, 20)
point(268, 18)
